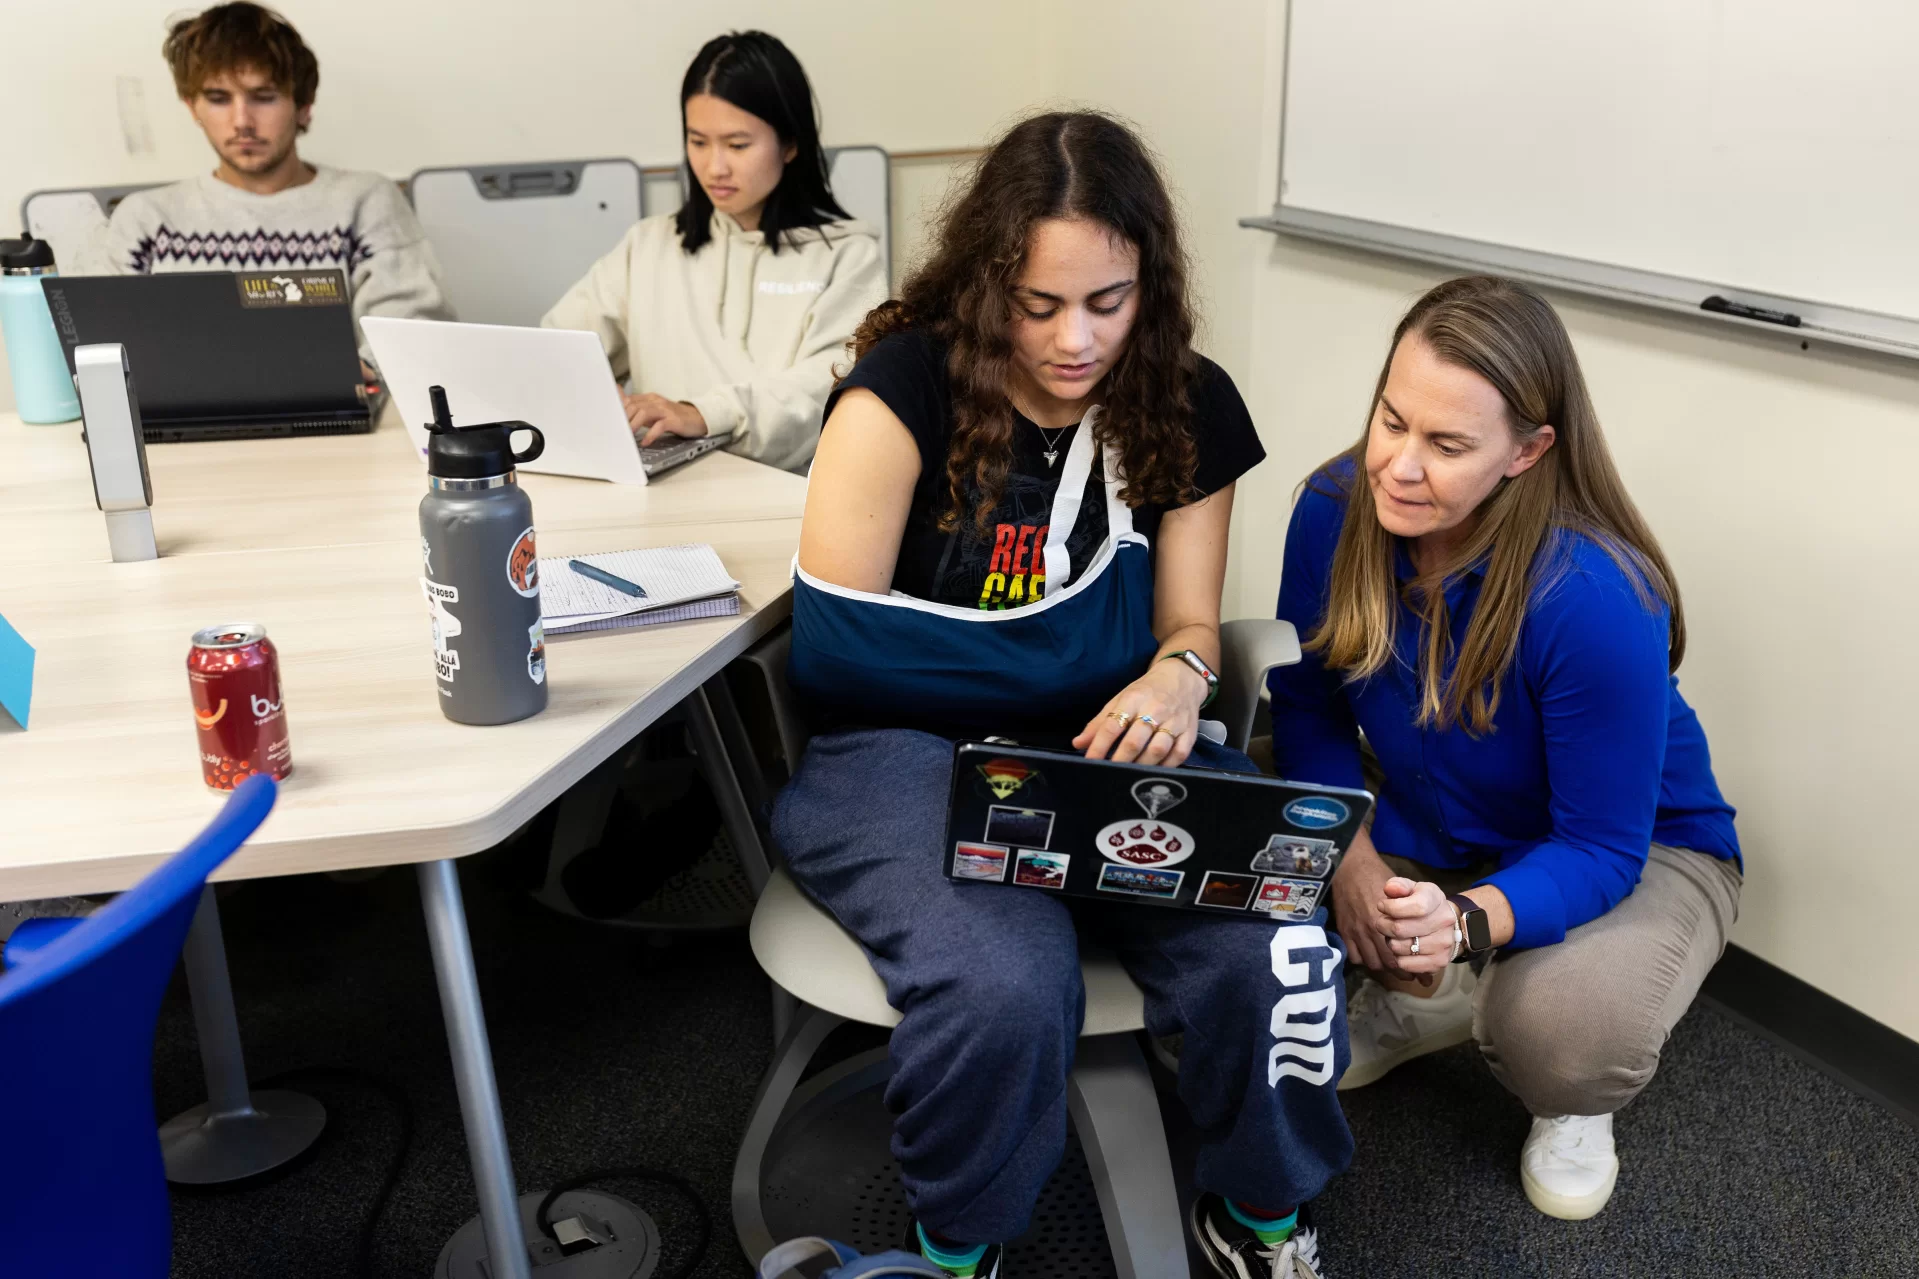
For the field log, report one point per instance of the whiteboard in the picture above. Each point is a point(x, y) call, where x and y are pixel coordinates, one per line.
point(1663, 150)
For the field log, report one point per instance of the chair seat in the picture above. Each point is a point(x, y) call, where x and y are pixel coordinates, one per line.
point(806, 952)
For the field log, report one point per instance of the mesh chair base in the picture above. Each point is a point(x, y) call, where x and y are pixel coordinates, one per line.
point(817, 1160)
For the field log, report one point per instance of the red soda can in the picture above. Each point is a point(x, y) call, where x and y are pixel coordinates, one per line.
point(234, 676)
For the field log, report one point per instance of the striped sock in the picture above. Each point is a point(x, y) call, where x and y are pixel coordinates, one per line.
point(962, 1262)
point(1272, 1231)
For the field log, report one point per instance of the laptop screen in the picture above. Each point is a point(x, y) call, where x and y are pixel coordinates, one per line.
point(221, 346)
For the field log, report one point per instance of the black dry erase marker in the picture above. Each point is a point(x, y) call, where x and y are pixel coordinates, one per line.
point(601, 575)
point(1726, 306)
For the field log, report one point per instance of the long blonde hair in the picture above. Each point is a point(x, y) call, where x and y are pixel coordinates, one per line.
point(1509, 335)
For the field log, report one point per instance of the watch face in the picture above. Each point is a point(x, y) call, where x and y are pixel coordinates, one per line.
point(1479, 933)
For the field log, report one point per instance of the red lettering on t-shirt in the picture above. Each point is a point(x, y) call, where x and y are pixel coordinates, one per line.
point(1002, 550)
point(1019, 548)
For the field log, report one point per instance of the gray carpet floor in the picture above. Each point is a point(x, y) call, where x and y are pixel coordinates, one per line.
point(1738, 1160)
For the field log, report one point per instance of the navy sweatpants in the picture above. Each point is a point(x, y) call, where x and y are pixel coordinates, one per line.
point(987, 983)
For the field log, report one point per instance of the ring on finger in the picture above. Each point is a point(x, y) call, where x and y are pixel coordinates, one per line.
point(1415, 947)
point(1124, 717)
point(1150, 722)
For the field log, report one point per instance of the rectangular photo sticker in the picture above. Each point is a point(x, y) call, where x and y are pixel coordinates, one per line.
point(1019, 827)
point(1226, 890)
point(1296, 855)
point(1041, 870)
point(1162, 885)
point(1283, 898)
point(986, 862)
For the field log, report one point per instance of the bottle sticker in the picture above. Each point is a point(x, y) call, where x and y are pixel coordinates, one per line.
point(536, 654)
point(523, 565)
point(445, 626)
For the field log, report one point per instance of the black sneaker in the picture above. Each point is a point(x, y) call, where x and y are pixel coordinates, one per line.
point(1235, 1252)
point(988, 1266)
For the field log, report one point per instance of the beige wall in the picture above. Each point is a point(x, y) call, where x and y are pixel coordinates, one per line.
point(409, 84)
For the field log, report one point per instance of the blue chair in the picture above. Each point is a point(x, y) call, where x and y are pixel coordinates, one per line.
point(82, 1187)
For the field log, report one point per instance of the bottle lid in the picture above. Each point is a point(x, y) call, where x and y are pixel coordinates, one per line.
point(474, 452)
point(25, 254)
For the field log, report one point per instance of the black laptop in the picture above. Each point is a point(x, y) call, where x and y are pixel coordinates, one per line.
point(1189, 838)
point(224, 355)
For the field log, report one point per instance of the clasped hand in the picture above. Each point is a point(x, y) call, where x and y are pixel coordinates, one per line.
point(1382, 914)
point(1153, 720)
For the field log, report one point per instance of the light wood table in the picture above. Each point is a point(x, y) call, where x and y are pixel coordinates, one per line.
point(318, 540)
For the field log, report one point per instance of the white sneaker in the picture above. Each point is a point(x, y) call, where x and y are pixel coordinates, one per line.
point(1387, 1028)
point(1568, 1165)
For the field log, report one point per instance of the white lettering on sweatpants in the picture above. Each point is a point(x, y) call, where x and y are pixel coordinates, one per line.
point(1306, 966)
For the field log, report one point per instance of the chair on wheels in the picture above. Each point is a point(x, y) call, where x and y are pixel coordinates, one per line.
point(822, 980)
point(82, 1186)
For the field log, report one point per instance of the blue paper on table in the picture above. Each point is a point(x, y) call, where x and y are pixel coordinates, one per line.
point(16, 673)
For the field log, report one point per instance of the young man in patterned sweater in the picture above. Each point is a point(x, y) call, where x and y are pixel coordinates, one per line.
point(249, 81)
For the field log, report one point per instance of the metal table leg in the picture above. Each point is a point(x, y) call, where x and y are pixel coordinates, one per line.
point(236, 1133)
point(473, 1070)
point(718, 767)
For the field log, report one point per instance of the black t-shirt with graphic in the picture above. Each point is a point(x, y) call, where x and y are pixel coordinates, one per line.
point(1005, 567)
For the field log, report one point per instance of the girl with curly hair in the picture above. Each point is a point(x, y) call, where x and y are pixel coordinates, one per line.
point(1017, 524)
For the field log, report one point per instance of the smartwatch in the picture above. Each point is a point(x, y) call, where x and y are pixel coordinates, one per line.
point(1201, 669)
point(1475, 928)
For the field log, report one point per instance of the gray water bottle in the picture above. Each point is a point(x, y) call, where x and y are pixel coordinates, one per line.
point(482, 577)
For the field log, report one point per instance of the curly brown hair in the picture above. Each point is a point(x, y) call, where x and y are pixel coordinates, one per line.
point(236, 37)
point(1063, 164)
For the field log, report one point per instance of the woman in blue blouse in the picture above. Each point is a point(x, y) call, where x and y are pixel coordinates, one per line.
point(1551, 869)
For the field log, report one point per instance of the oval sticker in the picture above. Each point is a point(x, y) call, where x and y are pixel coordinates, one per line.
point(523, 565)
point(1145, 842)
point(1316, 812)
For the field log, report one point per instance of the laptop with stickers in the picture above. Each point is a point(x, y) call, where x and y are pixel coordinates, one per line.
point(1236, 844)
point(224, 355)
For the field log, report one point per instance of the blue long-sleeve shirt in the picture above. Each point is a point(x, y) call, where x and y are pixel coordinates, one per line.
point(1594, 754)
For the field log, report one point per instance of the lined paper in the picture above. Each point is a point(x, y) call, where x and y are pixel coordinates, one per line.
point(676, 579)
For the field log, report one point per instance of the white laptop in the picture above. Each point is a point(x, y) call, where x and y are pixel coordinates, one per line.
point(557, 379)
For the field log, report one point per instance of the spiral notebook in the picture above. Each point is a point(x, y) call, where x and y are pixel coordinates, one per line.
point(681, 582)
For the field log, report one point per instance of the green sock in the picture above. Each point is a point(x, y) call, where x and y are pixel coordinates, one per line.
point(961, 1262)
point(1272, 1231)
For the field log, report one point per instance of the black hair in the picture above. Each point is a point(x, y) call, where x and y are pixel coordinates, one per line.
point(758, 74)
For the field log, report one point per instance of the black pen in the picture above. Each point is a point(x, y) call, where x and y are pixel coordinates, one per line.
point(601, 575)
point(1726, 306)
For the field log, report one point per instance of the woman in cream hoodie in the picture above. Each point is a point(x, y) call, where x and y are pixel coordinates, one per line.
point(733, 314)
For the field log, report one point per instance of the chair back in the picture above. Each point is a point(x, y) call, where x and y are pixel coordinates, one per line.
point(512, 238)
point(862, 179)
point(72, 220)
point(82, 1185)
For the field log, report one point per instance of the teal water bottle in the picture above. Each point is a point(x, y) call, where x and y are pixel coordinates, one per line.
point(42, 387)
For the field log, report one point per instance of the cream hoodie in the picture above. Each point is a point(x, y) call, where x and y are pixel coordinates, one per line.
point(750, 337)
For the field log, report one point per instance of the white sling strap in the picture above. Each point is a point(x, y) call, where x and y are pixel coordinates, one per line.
point(1072, 489)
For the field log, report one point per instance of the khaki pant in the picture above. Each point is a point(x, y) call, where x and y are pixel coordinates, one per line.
point(1576, 1028)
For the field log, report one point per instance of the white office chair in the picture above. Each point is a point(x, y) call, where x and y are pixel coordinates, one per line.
point(512, 238)
point(71, 220)
point(823, 980)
